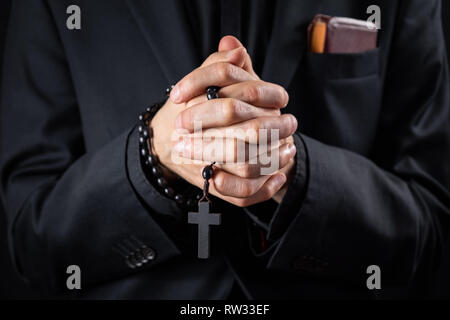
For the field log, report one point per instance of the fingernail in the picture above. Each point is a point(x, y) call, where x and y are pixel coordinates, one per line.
point(292, 150)
point(175, 94)
point(280, 180)
point(179, 122)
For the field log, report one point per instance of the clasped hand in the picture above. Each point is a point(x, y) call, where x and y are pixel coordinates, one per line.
point(243, 130)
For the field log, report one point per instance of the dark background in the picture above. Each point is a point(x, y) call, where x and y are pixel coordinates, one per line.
point(12, 287)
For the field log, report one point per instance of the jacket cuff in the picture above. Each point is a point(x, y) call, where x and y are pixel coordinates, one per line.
point(148, 193)
point(292, 201)
point(300, 248)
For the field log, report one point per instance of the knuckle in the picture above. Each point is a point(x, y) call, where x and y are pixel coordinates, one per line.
point(254, 130)
point(209, 60)
point(241, 108)
point(219, 182)
point(211, 57)
point(229, 109)
point(254, 125)
point(242, 170)
point(223, 71)
point(253, 93)
point(247, 189)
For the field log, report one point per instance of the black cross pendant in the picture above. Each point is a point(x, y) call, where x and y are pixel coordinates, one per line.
point(204, 219)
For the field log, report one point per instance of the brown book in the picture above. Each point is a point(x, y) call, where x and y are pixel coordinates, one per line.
point(341, 35)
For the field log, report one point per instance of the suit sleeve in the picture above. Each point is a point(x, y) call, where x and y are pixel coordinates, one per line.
point(67, 205)
point(390, 210)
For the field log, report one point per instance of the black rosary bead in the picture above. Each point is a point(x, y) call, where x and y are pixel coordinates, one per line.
point(156, 172)
point(151, 160)
point(212, 93)
point(179, 198)
point(190, 203)
point(169, 192)
point(207, 172)
point(145, 133)
point(162, 182)
point(168, 90)
point(154, 109)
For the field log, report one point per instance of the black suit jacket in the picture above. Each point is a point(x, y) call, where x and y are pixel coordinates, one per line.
point(373, 154)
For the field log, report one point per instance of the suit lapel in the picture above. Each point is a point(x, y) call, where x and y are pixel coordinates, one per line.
point(167, 31)
point(288, 41)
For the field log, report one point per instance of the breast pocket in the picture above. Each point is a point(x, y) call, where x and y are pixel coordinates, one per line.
point(345, 93)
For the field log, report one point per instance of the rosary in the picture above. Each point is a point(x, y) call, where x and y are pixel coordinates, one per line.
point(204, 219)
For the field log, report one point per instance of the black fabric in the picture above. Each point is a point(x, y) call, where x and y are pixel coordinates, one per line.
point(371, 125)
point(11, 285)
point(446, 22)
point(440, 287)
point(250, 21)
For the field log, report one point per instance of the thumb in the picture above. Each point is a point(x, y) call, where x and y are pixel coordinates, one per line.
point(228, 43)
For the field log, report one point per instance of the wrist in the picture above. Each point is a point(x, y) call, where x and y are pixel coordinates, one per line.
point(159, 144)
point(151, 165)
point(160, 147)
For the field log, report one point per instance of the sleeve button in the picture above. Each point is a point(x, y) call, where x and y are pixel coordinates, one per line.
point(148, 253)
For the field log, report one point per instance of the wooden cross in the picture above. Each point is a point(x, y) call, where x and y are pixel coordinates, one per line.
point(204, 219)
